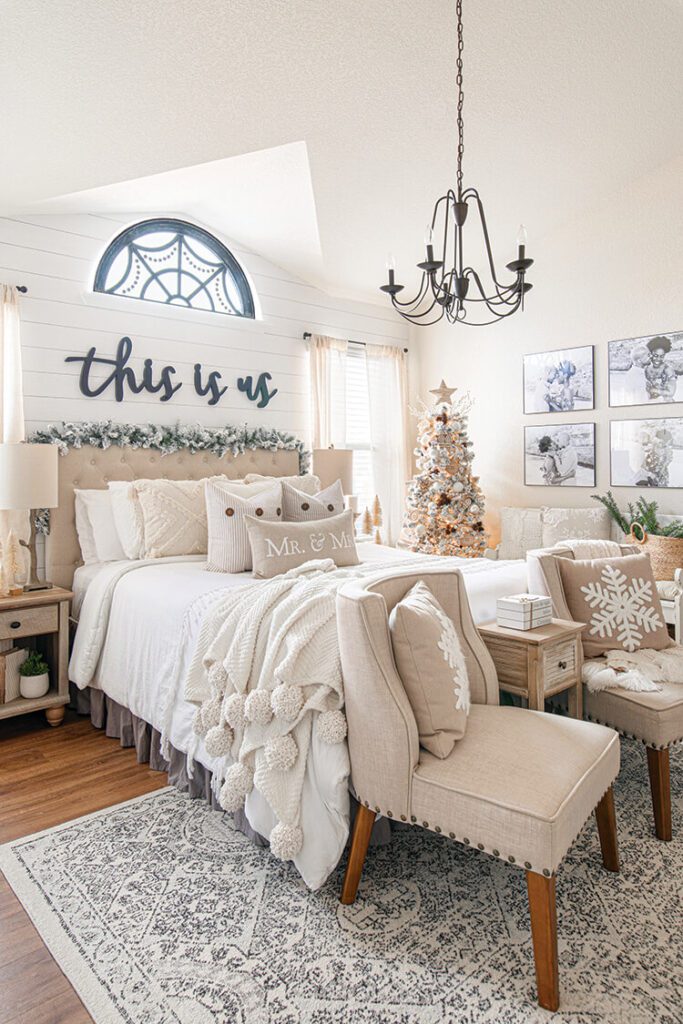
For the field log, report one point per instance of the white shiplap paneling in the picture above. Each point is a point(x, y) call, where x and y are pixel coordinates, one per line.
point(56, 257)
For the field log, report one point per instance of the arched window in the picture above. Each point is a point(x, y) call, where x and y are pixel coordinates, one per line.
point(179, 264)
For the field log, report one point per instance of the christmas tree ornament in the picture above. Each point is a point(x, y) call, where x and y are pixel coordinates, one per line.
point(445, 503)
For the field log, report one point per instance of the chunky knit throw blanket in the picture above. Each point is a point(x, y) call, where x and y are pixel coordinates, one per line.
point(641, 670)
point(265, 673)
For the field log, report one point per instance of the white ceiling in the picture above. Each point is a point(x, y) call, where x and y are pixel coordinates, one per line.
point(565, 102)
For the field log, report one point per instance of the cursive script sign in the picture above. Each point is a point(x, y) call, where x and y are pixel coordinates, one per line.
point(161, 381)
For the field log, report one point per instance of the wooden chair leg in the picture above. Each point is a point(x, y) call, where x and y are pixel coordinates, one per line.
point(362, 827)
point(543, 914)
point(660, 787)
point(606, 818)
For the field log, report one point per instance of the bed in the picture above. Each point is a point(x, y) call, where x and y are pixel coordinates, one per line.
point(137, 626)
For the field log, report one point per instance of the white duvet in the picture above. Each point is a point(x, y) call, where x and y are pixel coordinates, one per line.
point(138, 628)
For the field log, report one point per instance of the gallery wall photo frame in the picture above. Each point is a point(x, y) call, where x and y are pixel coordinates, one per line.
point(647, 370)
point(559, 455)
point(647, 452)
point(559, 380)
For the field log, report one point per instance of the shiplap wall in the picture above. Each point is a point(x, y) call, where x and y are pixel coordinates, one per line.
point(56, 257)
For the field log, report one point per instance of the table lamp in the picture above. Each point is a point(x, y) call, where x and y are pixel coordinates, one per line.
point(28, 480)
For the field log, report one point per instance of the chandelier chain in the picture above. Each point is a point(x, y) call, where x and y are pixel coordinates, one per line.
point(461, 97)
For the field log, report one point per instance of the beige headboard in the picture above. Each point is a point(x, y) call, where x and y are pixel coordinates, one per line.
point(94, 467)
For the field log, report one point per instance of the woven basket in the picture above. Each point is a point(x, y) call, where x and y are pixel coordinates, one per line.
point(666, 553)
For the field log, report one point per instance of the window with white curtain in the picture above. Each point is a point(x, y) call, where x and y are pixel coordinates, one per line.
point(357, 422)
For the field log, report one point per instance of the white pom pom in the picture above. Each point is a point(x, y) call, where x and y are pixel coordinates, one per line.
point(286, 701)
point(211, 713)
point(286, 841)
point(217, 676)
point(218, 741)
point(281, 753)
point(233, 710)
point(239, 782)
point(257, 707)
point(198, 726)
point(332, 726)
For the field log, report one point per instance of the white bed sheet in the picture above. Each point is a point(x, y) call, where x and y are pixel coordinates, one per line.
point(154, 618)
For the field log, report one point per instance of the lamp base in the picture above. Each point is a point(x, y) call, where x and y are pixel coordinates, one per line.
point(33, 583)
point(37, 585)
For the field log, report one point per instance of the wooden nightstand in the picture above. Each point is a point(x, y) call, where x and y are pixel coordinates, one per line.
point(42, 615)
point(538, 663)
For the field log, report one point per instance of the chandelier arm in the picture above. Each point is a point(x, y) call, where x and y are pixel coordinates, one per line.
point(418, 318)
point(491, 301)
point(417, 299)
point(487, 242)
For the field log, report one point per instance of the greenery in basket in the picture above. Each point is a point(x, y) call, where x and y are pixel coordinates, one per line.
point(35, 665)
point(644, 514)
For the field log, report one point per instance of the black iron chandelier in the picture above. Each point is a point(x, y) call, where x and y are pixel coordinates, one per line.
point(457, 291)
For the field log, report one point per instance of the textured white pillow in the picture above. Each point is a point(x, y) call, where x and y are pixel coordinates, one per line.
point(228, 548)
point(520, 531)
point(307, 482)
point(128, 517)
point(301, 507)
point(174, 517)
point(105, 538)
point(559, 524)
point(86, 537)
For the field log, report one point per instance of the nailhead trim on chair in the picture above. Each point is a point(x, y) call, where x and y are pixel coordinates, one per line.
point(631, 736)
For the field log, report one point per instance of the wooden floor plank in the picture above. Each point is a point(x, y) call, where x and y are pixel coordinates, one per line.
point(47, 777)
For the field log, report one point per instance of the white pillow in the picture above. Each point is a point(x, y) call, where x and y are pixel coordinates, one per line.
point(520, 531)
point(307, 482)
point(86, 537)
point(301, 507)
point(174, 517)
point(229, 548)
point(98, 508)
point(128, 517)
point(560, 524)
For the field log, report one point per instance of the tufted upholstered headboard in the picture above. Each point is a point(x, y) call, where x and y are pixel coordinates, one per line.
point(94, 467)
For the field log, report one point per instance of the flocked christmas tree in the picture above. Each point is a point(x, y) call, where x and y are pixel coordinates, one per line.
point(445, 505)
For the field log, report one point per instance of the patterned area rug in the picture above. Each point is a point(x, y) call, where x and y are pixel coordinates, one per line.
point(158, 911)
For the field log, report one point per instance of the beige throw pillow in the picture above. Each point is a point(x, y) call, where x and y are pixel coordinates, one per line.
point(617, 599)
point(278, 547)
point(227, 512)
point(174, 517)
point(306, 482)
point(300, 507)
point(432, 668)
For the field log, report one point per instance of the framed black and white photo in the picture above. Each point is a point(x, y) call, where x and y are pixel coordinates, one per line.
point(560, 456)
point(647, 453)
point(559, 381)
point(647, 370)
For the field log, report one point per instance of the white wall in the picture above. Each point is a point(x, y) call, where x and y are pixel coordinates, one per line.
point(615, 271)
point(56, 257)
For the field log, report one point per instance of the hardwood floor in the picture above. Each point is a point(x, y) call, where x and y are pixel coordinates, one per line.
point(48, 776)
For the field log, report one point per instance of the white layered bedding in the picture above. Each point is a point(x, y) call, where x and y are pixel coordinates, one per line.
point(138, 627)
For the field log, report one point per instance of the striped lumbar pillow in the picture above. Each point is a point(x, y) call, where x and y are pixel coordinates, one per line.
point(299, 507)
point(229, 548)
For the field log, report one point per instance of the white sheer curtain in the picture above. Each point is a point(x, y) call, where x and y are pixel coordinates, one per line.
point(328, 391)
point(11, 395)
point(388, 400)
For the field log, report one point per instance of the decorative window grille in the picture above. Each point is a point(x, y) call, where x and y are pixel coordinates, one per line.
point(175, 263)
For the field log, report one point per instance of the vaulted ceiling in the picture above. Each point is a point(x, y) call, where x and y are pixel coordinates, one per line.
point(565, 102)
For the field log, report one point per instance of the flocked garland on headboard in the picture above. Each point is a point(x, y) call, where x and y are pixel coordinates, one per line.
point(166, 440)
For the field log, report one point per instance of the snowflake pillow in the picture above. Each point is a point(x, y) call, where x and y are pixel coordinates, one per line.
point(432, 668)
point(617, 599)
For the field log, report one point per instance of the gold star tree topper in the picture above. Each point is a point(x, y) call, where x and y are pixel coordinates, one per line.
point(443, 393)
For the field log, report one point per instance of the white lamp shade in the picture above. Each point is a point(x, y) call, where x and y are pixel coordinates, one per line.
point(330, 464)
point(28, 476)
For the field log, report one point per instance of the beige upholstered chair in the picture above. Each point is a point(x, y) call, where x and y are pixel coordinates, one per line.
point(654, 718)
point(519, 785)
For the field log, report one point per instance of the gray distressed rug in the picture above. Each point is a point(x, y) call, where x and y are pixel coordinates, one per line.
point(159, 912)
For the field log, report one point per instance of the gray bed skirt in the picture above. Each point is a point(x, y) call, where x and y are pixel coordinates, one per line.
point(121, 724)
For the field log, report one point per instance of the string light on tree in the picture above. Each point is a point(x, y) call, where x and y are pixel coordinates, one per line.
point(445, 504)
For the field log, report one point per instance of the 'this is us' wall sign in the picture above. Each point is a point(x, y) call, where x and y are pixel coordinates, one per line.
point(161, 382)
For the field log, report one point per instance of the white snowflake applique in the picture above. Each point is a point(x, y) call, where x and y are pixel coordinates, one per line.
point(449, 645)
point(624, 609)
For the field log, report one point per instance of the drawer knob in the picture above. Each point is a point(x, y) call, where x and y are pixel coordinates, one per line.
point(562, 665)
point(14, 625)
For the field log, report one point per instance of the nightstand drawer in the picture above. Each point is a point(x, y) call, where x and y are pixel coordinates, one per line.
point(29, 622)
point(559, 663)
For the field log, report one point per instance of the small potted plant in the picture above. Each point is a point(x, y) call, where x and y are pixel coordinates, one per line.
point(35, 681)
